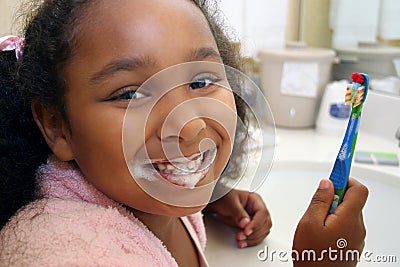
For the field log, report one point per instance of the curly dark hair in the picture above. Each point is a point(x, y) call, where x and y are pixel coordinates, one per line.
point(50, 32)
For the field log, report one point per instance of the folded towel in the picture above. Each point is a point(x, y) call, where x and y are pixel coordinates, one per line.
point(354, 21)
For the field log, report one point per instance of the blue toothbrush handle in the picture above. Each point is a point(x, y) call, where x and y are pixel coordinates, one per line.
point(341, 169)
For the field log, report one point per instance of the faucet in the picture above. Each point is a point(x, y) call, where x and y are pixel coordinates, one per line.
point(398, 135)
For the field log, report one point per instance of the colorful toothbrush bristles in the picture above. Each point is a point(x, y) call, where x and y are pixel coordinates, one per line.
point(355, 91)
point(358, 78)
point(359, 96)
point(349, 95)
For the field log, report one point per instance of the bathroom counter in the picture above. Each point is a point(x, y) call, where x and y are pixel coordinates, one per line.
point(310, 145)
point(303, 157)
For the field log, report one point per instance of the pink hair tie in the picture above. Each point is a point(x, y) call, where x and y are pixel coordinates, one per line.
point(9, 43)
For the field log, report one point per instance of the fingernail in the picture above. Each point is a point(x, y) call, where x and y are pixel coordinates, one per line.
point(249, 232)
point(242, 237)
point(243, 222)
point(324, 184)
point(243, 244)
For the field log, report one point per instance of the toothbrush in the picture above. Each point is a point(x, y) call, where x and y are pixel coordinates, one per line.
point(356, 94)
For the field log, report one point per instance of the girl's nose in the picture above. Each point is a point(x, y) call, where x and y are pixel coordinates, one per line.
point(182, 129)
point(181, 116)
point(192, 129)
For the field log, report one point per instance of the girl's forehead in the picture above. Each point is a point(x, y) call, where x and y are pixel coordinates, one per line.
point(118, 14)
point(155, 30)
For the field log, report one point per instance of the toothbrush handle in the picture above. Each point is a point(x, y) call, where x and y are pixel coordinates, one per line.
point(337, 198)
point(341, 170)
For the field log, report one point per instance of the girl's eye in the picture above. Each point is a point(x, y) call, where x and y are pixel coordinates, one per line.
point(202, 83)
point(128, 94)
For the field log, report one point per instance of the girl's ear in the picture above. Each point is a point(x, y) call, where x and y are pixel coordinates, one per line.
point(54, 131)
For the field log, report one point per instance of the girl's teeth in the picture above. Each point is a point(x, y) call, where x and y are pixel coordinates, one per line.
point(161, 166)
point(181, 168)
point(191, 165)
point(170, 167)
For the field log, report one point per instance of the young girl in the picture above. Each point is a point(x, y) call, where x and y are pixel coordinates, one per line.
point(67, 193)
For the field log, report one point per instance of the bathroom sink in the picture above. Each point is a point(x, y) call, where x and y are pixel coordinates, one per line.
point(287, 192)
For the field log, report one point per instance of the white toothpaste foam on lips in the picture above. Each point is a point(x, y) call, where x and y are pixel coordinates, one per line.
point(183, 171)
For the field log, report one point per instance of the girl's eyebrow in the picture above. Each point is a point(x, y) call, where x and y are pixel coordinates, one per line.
point(131, 64)
point(205, 52)
point(118, 65)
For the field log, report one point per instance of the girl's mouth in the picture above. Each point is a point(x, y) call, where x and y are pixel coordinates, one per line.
point(184, 171)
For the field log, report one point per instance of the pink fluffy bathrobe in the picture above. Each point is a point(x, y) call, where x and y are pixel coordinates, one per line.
point(76, 225)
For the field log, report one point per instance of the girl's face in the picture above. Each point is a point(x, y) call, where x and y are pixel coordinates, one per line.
point(120, 45)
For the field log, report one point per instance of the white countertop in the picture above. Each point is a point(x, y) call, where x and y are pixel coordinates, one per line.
point(310, 145)
point(303, 146)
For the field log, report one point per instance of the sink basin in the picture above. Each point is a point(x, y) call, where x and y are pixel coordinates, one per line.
point(287, 192)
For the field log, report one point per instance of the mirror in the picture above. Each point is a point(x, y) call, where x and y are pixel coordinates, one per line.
point(378, 50)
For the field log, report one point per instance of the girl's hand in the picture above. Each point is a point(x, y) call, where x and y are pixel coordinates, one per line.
point(246, 211)
point(342, 230)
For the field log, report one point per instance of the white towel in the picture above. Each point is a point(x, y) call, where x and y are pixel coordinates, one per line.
point(389, 22)
point(266, 22)
point(260, 24)
point(354, 21)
